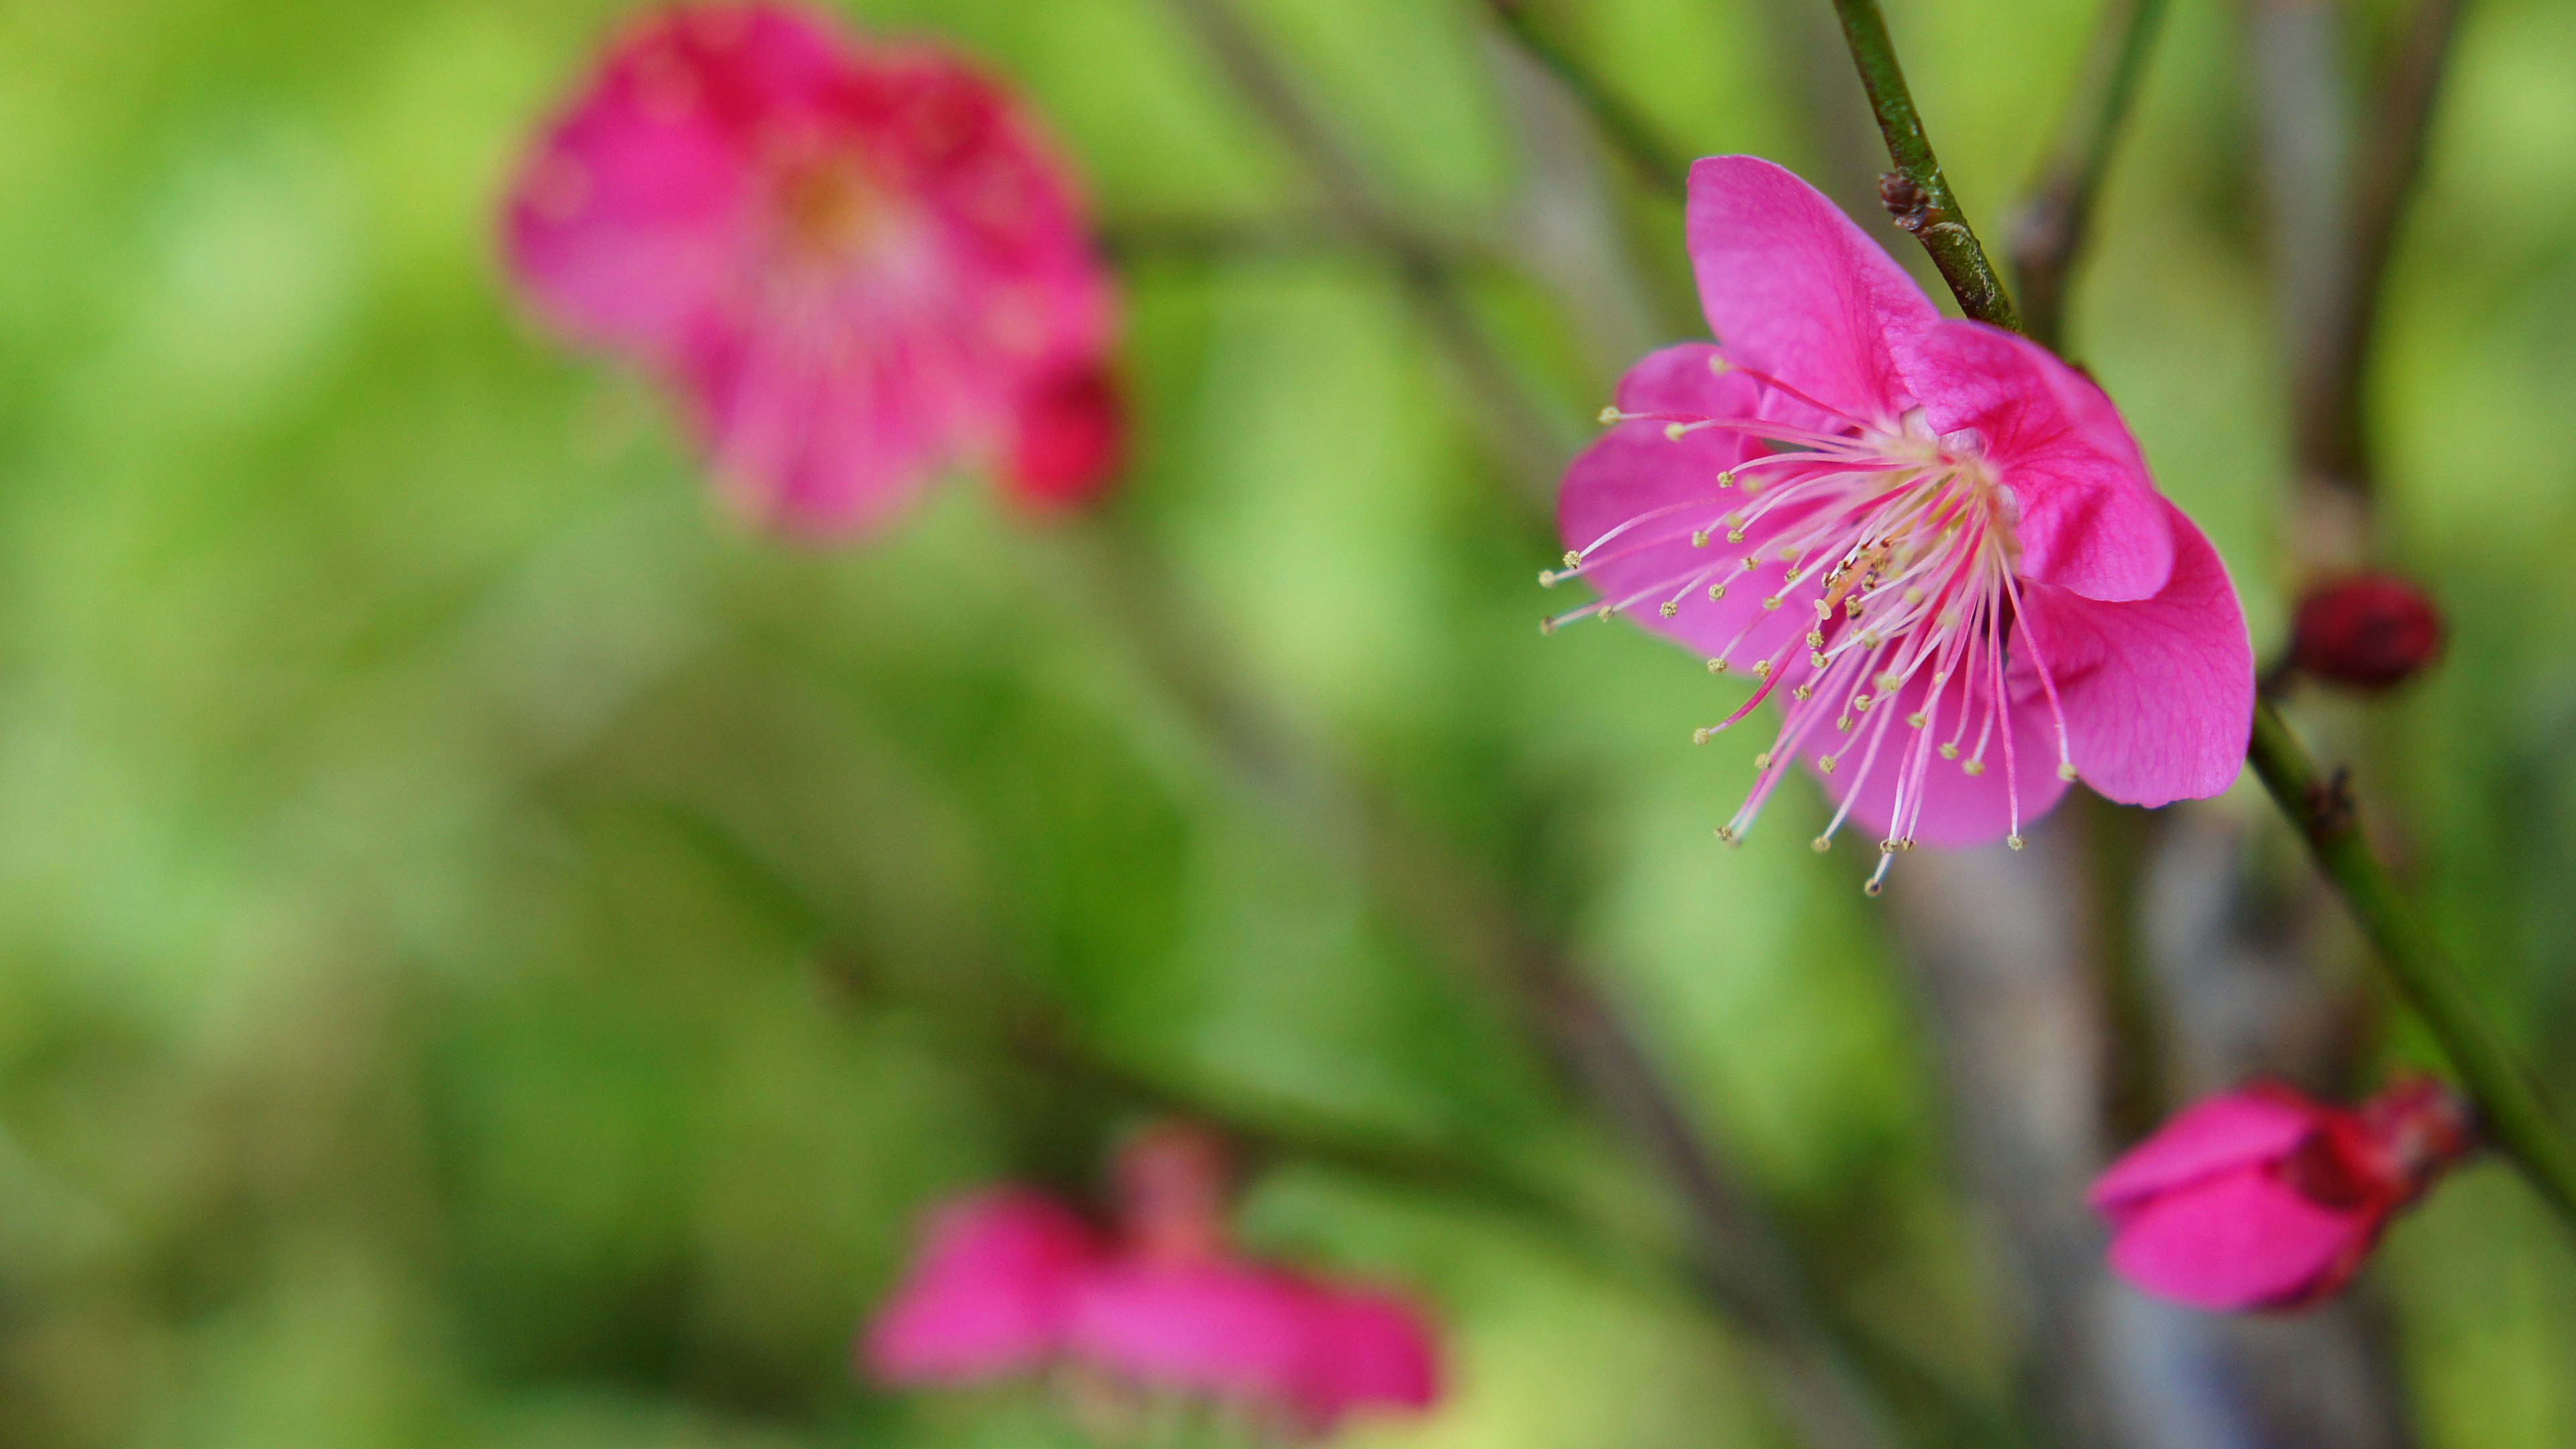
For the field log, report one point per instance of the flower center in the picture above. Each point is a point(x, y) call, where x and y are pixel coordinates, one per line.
point(830, 211)
point(1895, 548)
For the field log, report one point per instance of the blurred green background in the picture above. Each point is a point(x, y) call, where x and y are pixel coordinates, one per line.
point(450, 877)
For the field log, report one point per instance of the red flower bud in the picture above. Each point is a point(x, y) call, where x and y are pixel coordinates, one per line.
point(2366, 631)
point(1069, 440)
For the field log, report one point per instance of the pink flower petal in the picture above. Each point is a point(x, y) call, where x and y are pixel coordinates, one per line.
point(1635, 471)
point(2158, 693)
point(2239, 1241)
point(2233, 1130)
point(1372, 1351)
point(1959, 810)
point(992, 1293)
point(1224, 1329)
point(2091, 520)
point(1791, 287)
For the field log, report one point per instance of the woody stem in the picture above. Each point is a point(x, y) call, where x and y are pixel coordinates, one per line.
point(1935, 220)
point(2509, 1107)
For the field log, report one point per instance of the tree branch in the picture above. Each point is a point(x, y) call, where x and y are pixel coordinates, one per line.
point(2049, 234)
point(1918, 193)
point(2508, 1105)
point(1658, 163)
point(2331, 437)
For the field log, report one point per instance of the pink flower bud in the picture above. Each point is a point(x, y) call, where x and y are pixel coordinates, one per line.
point(2366, 631)
point(2264, 1199)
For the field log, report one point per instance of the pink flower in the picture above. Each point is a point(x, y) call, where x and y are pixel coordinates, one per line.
point(859, 262)
point(1936, 541)
point(1011, 1281)
point(2264, 1199)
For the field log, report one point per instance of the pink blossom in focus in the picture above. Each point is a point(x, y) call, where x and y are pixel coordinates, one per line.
point(1934, 542)
point(2265, 1199)
point(992, 1294)
point(860, 262)
point(1012, 1281)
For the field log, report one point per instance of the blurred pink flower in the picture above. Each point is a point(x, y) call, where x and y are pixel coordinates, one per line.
point(860, 262)
point(1933, 538)
point(1010, 1281)
point(2264, 1199)
point(992, 1294)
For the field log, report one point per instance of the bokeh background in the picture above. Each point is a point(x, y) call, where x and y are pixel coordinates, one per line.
point(482, 936)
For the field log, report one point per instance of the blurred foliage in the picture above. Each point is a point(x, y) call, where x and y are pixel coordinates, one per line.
point(440, 851)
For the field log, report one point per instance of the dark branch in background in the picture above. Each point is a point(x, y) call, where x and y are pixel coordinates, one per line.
point(1818, 1384)
point(1738, 1260)
point(1022, 1025)
point(2048, 235)
point(1521, 436)
point(1658, 164)
point(2331, 437)
point(1916, 193)
point(2508, 1106)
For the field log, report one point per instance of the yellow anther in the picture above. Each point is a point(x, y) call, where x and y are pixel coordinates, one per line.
point(1717, 364)
point(1762, 670)
point(1973, 767)
point(1726, 479)
point(1717, 666)
point(1716, 592)
point(2067, 773)
point(1699, 538)
point(1673, 432)
point(1949, 752)
point(1825, 763)
point(1573, 560)
point(1735, 535)
point(1700, 737)
point(1668, 608)
point(1762, 761)
point(1822, 843)
point(1772, 602)
point(1916, 720)
point(1803, 692)
point(1860, 704)
point(1815, 638)
point(1609, 415)
point(2014, 841)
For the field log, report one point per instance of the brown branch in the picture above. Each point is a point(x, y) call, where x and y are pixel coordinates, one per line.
point(2331, 436)
point(2049, 233)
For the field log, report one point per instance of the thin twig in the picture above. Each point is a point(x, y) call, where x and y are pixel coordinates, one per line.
point(1521, 437)
point(2331, 437)
point(1739, 1260)
point(1658, 163)
point(1918, 193)
point(2508, 1105)
point(1027, 1028)
point(2048, 235)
